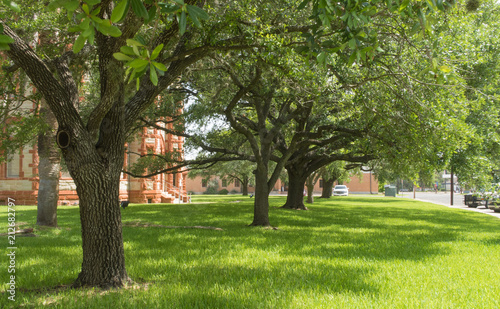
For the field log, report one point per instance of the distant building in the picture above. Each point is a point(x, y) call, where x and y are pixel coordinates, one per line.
point(19, 177)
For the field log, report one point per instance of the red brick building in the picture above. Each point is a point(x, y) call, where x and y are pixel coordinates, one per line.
point(19, 177)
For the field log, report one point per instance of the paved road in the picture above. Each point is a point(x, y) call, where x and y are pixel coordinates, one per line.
point(444, 199)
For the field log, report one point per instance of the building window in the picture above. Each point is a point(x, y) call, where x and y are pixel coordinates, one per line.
point(204, 183)
point(321, 183)
point(174, 179)
point(236, 183)
point(13, 166)
point(224, 183)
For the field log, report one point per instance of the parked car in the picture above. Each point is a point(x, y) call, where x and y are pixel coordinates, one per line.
point(340, 190)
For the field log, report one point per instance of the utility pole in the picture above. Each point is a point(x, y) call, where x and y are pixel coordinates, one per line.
point(452, 186)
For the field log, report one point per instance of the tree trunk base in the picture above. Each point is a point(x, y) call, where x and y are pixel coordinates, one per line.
point(262, 224)
point(295, 207)
point(113, 283)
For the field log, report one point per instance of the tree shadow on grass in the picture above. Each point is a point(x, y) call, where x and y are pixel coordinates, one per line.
point(331, 249)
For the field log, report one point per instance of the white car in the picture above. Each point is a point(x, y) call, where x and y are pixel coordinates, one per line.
point(340, 190)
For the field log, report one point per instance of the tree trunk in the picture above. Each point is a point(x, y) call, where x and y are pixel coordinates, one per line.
point(244, 187)
point(327, 188)
point(310, 193)
point(261, 200)
point(295, 196)
point(103, 254)
point(49, 166)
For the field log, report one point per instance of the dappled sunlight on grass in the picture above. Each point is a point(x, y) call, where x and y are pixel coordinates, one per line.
point(354, 252)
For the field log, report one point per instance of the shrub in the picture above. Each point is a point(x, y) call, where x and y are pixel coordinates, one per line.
point(211, 190)
point(223, 192)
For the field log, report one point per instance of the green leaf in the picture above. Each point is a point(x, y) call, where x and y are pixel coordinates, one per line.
point(96, 19)
point(119, 11)
point(352, 43)
point(445, 69)
point(131, 42)
point(4, 46)
point(152, 15)
point(91, 36)
point(13, 6)
point(79, 43)
point(303, 4)
point(403, 5)
point(440, 5)
point(321, 57)
point(169, 8)
point(196, 14)
point(179, 2)
point(152, 75)
point(88, 31)
point(6, 39)
point(138, 64)
point(122, 57)
point(352, 58)
point(159, 66)
point(127, 50)
point(85, 8)
point(92, 2)
point(182, 22)
point(136, 50)
point(156, 52)
point(71, 5)
point(110, 30)
point(139, 9)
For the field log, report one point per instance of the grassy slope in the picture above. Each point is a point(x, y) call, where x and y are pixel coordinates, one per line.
point(354, 252)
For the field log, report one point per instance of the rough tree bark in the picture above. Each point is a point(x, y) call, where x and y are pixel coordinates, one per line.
point(244, 186)
point(103, 254)
point(261, 202)
point(296, 184)
point(49, 167)
point(310, 191)
point(327, 187)
point(95, 167)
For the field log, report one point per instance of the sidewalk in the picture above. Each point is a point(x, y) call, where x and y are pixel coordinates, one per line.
point(441, 198)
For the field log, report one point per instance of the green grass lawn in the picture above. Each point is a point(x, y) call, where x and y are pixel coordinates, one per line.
point(348, 252)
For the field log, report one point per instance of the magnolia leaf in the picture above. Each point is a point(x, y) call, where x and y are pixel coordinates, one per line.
point(6, 39)
point(182, 22)
point(196, 14)
point(127, 50)
point(110, 30)
point(122, 57)
point(138, 64)
point(321, 57)
point(156, 52)
point(131, 42)
point(159, 66)
point(13, 6)
point(152, 75)
point(79, 43)
point(139, 9)
point(119, 11)
point(85, 8)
